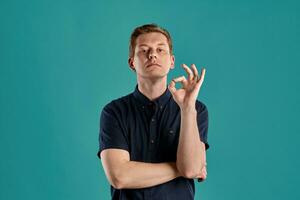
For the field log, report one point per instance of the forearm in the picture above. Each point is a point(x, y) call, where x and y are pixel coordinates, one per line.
point(191, 151)
point(140, 174)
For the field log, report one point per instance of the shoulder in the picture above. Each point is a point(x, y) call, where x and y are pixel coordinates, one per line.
point(200, 106)
point(119, 104)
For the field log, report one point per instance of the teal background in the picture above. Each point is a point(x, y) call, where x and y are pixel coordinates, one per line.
point(62, 61)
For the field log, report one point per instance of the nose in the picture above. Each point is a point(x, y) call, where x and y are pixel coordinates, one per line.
point(152, 54)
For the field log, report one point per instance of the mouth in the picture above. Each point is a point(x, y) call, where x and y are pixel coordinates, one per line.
point(153, 64)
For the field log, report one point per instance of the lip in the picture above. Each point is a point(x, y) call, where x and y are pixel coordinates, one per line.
point(153, 64)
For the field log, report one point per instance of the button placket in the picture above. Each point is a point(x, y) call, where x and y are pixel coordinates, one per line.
point(152, 131)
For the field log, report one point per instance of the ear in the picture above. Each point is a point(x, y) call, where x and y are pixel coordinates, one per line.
point(172, 62)
point(130, 63)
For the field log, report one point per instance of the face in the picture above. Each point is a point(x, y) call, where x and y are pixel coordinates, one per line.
point(152, 58)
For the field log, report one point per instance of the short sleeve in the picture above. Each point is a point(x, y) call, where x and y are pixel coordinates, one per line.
point(111, 134)
point(202, 121)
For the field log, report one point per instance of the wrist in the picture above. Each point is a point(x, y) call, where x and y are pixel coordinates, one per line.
point(188, 109)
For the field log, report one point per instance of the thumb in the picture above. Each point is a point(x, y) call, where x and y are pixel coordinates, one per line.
point(171, 87)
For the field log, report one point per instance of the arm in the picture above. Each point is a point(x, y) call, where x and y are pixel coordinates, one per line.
point(191, 151)
point(191, 159)
point(123, 173)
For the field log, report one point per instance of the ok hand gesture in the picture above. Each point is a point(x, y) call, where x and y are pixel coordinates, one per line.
point(186, 96)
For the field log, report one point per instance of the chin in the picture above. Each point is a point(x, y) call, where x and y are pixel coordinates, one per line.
point(156, 75)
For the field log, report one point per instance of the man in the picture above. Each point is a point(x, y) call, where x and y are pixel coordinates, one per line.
point(153, 141)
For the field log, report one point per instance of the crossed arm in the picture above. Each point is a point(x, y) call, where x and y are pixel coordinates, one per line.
point(123, 173)
point(191, 156)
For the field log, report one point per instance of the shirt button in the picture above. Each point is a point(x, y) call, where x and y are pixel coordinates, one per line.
point(153, 120)
point(152, 141)
point(161, 107)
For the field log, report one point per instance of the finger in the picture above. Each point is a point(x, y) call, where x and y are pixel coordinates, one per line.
point(205, 172)
point(181, 80)
point(201, 79)
point(189, 72)
point(195, 71)
point(172, 87)
point(202, 176)
point(202, 75)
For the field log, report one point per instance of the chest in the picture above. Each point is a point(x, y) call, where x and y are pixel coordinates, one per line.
point(153, 135)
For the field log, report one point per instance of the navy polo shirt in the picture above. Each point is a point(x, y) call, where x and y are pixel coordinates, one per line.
point(149, 131)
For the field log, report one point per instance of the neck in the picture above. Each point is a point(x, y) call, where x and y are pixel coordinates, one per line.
point(152, 89)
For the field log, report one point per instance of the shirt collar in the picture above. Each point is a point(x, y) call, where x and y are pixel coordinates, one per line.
point(160, 101)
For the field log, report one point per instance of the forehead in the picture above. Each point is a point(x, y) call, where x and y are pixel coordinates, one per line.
point(154, 38)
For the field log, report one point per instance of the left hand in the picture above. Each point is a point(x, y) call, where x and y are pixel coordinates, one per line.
point(186, 96)
point(203, 175)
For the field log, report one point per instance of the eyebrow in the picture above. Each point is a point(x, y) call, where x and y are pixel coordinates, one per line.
point(159, 44)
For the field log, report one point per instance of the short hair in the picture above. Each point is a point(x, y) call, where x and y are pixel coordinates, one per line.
point(148, 28)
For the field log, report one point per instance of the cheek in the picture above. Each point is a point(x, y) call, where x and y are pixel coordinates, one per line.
point(167, 61)
point(141, 56)
point(139, 60)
